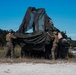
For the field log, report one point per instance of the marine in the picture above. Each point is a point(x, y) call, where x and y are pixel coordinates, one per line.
point(10, 48)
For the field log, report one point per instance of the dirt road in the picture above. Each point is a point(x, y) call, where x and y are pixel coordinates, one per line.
point(59, 68)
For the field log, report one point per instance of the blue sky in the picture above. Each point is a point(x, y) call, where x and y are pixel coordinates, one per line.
point(62, 12)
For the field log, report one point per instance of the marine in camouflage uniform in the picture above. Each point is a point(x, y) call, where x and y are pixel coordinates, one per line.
point(9, 44)
point(55, 45)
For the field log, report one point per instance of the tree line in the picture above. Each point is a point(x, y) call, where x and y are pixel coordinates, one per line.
point(4, 32)
point(2, 37)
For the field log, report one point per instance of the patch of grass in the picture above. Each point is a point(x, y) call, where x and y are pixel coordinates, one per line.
point(71, 55)
point(2, 53)
point(17, 51)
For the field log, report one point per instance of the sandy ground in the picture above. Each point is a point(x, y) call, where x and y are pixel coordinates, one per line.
point(38, 68)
